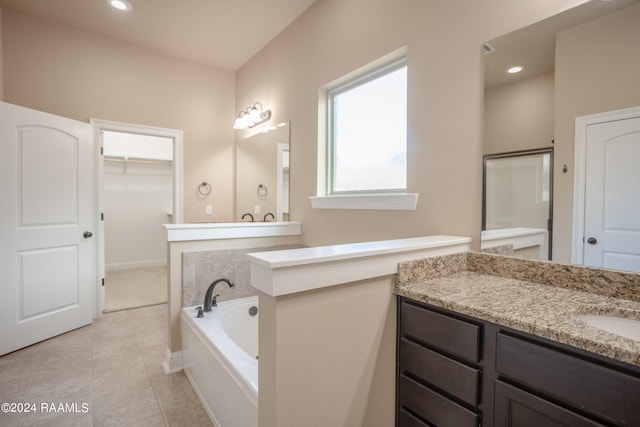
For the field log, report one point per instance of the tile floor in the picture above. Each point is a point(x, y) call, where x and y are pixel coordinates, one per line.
point(137, 287)
point(111, 370)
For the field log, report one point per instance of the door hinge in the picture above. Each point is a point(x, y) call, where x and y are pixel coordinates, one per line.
point(101, 151)
point(101, 216)
point(103, 281)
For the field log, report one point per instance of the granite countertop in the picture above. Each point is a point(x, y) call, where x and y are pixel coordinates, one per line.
point(537, 297)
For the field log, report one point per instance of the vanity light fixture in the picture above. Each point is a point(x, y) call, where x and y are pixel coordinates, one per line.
point(251, 117)
point(120, 4)
point(514, 70)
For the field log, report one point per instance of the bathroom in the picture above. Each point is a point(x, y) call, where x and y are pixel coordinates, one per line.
point(444, 104)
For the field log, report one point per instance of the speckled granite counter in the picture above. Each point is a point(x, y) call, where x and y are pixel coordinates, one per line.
point(536, 297)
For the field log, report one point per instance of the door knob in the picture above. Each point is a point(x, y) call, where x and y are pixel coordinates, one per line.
point(592, 240)
point(87, 234)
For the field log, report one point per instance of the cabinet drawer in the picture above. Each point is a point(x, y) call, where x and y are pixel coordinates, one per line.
point(446, 333)
point(432, 406)
point(599, 390)
point(515, 407)
point(446, 374)
point(406, 419)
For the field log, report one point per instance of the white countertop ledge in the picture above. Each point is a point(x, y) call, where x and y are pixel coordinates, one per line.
point(230, 230)
point(290, 271)
point(519, 237)
point(502, 233)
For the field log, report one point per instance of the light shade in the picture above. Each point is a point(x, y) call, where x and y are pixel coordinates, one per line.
point(251, 117)
point(120, 4)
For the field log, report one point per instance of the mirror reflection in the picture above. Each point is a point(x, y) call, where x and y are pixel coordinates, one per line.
point(262, 175)
point(518, 193)
point(576, 64)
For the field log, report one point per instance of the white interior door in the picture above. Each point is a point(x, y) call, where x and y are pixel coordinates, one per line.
point(612, 195)
point(47, 218)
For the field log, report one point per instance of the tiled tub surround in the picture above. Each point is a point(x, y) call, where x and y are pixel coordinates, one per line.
point(536, 297)
point(201, 268)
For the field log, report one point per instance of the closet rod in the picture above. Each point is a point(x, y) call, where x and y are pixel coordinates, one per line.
point(137, 160)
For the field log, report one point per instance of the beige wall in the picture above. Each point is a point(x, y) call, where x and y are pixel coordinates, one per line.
point(334, 37)
point(327, 357)
point(519, 116)
point(79, 75)
point(589, 80)
point(1, 64)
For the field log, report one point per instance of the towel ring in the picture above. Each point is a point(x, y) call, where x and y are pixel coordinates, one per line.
point(204, 189)
point(262, 191)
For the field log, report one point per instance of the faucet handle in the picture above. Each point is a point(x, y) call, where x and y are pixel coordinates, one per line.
point(214, 303)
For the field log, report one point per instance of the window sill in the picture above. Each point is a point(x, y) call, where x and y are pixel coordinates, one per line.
point(388, 201)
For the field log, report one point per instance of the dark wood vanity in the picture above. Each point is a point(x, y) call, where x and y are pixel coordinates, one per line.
point(456, 370)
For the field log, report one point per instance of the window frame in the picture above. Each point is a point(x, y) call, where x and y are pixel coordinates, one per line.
point(350, 82)
point(387, 201)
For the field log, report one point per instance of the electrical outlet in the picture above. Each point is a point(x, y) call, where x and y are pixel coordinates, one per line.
point(256, 209)
point(208, 210)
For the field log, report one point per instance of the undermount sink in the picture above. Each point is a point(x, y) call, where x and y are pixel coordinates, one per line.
point(628, 328)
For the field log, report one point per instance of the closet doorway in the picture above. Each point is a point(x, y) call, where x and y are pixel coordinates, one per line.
point(139, 169)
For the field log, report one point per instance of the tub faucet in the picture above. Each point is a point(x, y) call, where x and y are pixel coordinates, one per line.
point(209, 299)
point(267, 215)
point(251, 216)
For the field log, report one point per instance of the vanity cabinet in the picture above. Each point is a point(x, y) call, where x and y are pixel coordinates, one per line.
point(439, 377)
point(454, 370)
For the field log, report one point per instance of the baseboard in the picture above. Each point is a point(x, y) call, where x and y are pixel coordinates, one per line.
point(172, 361)
point(117, 266)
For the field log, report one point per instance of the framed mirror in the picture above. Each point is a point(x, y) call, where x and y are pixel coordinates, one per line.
point(579, 63)
point(262, 175)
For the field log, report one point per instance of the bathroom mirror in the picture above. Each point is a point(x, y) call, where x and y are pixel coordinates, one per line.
point(535, 109)
point(262, 175)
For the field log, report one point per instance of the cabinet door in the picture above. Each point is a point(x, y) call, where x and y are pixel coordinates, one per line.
point(517, 408)
point(609, 394)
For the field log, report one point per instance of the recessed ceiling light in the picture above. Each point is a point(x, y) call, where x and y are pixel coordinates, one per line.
point(514, 70)
point(120, 4)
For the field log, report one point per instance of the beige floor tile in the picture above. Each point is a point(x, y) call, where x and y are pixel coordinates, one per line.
point(57, 359)
point(178, 400)
point(108, 387)
point(156, 420)
point(126, 289)
point(57, 381)
point(113, 365)
point(126, 408)
point(172, 388)
point(56, 415)
point(19, 364)
point(14, 390)
point(9, 419)
point(80, 393)
point(187, 413)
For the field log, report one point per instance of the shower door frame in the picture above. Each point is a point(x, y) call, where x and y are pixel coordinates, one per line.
point(516, 154)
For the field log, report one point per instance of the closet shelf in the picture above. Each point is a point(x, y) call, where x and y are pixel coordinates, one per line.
point(138, 160)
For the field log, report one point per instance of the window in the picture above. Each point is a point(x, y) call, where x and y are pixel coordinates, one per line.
point(367, 132)
point(362, 139)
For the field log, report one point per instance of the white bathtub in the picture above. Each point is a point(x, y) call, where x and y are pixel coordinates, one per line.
point(220, 360)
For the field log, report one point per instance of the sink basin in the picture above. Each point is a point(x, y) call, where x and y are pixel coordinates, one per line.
point(628, 328)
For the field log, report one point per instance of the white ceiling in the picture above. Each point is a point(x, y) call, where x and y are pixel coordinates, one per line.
point(220, 33)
